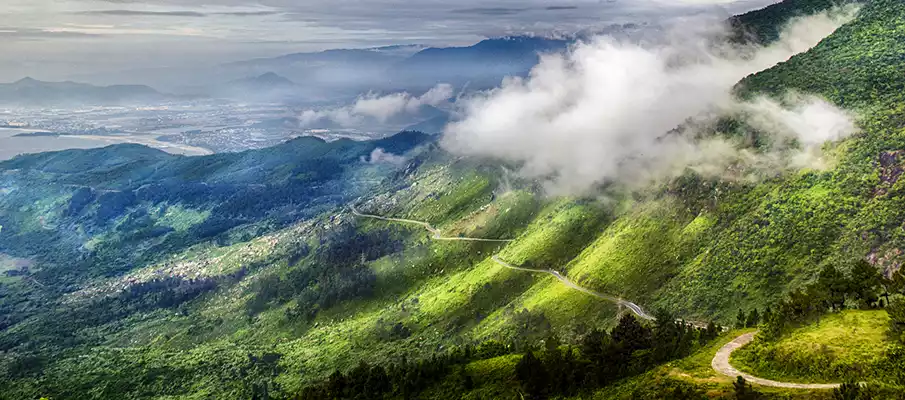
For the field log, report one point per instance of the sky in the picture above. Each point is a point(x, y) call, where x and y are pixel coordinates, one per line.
point(60, 39)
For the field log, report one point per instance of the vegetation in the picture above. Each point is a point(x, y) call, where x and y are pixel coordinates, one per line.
point(799, 341)
point(846, 345)
point(129, 273)
point(599, 358)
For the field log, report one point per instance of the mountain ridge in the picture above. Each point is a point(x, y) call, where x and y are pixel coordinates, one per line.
point(301, 295)
point(32, 92)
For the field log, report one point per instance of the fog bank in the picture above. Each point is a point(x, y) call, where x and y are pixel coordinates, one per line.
point(601, 112)
point(375, 107)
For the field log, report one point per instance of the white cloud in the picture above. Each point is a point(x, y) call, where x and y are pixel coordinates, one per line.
point(601, 112)
point(381, 156)
point(380, 108)
point(240, 29)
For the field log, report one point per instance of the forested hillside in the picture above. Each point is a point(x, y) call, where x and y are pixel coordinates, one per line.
point(130, 273)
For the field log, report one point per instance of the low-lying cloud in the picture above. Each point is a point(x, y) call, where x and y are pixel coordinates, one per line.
point(601, 112)
point(380, 108)
point(381, 156)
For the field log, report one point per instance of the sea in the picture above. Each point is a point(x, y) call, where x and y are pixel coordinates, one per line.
point(11, 146)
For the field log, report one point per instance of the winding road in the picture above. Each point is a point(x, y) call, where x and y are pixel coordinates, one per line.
point(721, 364)
point(436, 234)
point(720, 361)
point(631, 306)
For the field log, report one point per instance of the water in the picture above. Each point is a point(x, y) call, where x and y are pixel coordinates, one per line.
point(11, 146)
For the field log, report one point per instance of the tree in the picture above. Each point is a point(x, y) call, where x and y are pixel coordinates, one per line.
point(897, 282)
point(711, 332)
point(533, 375)
point(848, 391)
point(337, 385)
point(630, 335)
point(896, 311)
point(740, 319)
point(888, 288)
point(768, 314)
point(753, 319)
point(592, 346)
point(554, 363)
point(864, 280)
point(667, 336)
point(773, 325)
point(744, 391)
point(833, 285)
point(378, 382)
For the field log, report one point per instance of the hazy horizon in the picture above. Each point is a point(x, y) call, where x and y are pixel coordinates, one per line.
point(75, 40)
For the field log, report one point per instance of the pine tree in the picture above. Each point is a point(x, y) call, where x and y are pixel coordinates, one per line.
point(753, 319)
point(533, 375)
point(711, 332)
point(767, 315)
point(897, 282)
point(864, 279)
point(592, 346)
point(896, 311)
point(378, 382)
point(848, 391)
point(743, 390)
point(833, 285)
point(337, 385)
point(740, 319)
point(667, 336)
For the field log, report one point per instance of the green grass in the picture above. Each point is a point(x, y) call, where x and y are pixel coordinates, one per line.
point(700, 251)
point(695, 372)
point(846, 345)
point(181, 218)
point(638, 252)
point(444, 196)
point(492, 379)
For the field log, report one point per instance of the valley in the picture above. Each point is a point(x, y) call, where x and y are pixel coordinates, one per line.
point(398, 268)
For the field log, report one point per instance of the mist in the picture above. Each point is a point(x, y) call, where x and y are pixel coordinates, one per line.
point(381, 156)
point(601, 112)
point(373, 107)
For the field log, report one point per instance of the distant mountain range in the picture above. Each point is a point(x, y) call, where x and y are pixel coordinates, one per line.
point(484, 64)
point(317, 77)
point(266, 87)
point(401, 68)
point(31, 92)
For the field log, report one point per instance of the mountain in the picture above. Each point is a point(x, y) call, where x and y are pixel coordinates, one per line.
point(344, 72)
point(31, 92)
point(268, 80)
point(432, 125)
point(338, 270)
point(341, 69)
point(268, 87)
point(485, 63)
point(764, 25)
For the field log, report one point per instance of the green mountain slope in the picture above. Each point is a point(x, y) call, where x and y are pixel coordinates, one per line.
point(232, 276)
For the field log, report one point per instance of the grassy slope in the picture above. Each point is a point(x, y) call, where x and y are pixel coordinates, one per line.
point(746, 251)
point(846, 345)
point(755, 242)
point(694, 372)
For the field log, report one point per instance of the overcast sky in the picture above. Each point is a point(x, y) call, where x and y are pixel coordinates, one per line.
point(54, 39)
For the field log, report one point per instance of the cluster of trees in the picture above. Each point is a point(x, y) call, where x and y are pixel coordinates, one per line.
point(628, 349)
point(763, 26)
point(749, 320)
point(863, 287)
point(546, 369)
point(334, 272)
point(405, 379)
